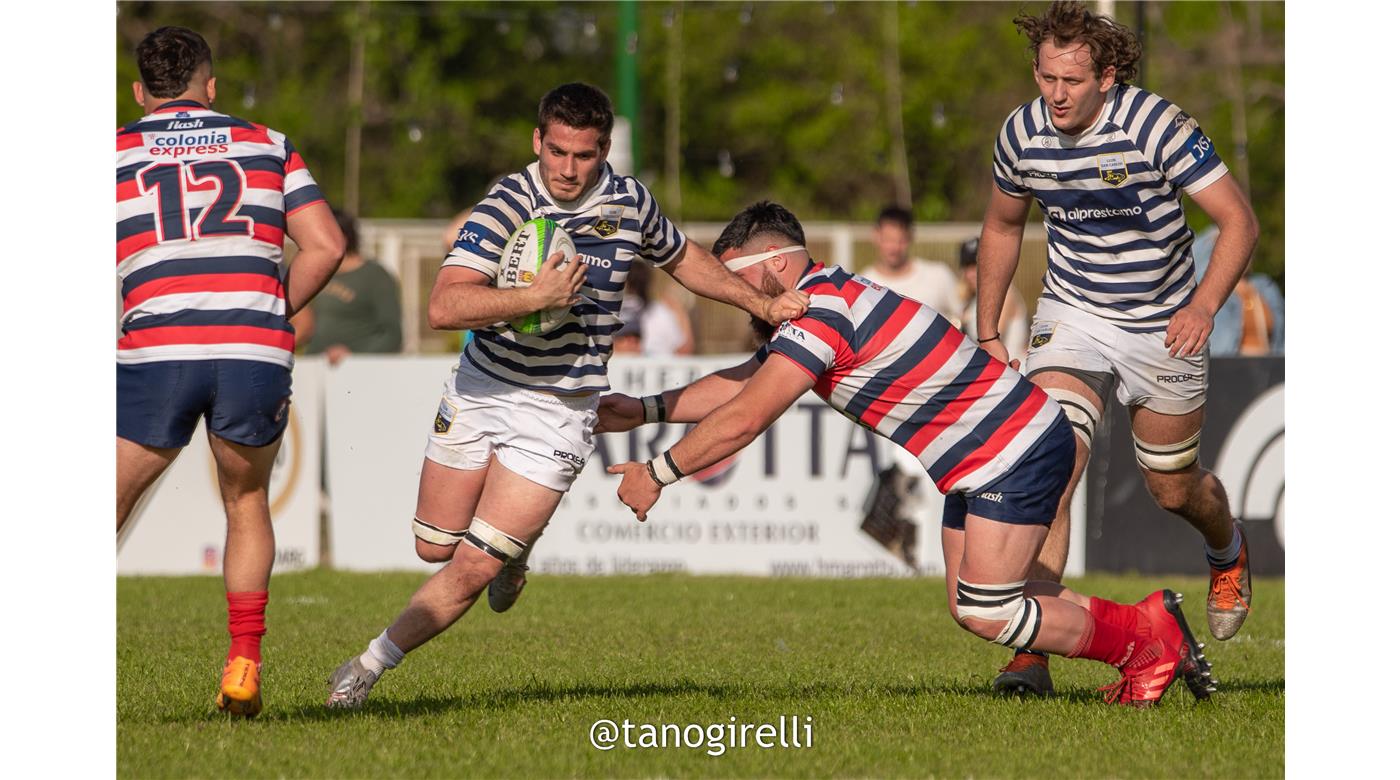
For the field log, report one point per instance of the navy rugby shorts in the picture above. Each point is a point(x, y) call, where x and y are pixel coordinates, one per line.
point(1029, 493)
point(242, 401)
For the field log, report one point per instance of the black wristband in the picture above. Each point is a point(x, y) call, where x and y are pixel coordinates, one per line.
point(661, 407)
point(652, 473)
point(993, 338)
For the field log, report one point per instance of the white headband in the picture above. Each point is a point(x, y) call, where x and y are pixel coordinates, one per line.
point(744, 261)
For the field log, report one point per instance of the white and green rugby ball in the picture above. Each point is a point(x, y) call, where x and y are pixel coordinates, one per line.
point(526, 251)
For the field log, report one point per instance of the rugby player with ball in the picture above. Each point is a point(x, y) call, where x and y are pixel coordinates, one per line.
point(537, 274)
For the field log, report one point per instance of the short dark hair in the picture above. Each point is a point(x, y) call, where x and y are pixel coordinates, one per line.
point(898, 215)
point(577, 105)
point(762, 218)
point(351, 228)
point(967, 253)
point(168, 59)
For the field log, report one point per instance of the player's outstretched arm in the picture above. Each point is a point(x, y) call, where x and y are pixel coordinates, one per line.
point(703, 274)
point(463, 299)
point(320, 247)
point(730, 428)
point(619, 412)
point(998, 253)
point(1225, 203)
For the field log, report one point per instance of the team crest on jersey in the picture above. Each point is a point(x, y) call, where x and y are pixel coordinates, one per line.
point(609, 222)
point(1042, 333)
point(1113, 168)
point(446, 414)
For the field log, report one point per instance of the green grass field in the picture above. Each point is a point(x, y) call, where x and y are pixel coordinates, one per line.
point(893, 687)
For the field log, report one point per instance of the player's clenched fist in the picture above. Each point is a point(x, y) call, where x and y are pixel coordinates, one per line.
point(638, 490)
point(789, 305)
point(558, 281)
point(619, 412)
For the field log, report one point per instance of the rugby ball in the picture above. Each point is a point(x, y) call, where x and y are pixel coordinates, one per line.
point(525, 253)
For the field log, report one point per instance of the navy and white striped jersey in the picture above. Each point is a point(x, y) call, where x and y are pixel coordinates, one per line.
point(1119, 246)
point(613, 224)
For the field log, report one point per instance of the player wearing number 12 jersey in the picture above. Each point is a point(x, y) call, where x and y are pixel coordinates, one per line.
point(203, 202)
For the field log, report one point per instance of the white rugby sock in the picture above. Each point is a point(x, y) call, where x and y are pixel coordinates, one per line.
point(1225, 558)
point(382, 654)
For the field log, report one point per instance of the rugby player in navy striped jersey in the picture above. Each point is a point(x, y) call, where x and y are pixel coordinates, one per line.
point(515, 423)
point(1108, 163)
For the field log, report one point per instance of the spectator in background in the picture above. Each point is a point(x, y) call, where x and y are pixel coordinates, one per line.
point(628, 338)
point(661, 322)
point(929, 283)
point(359, 311)
point(1014, 325)
point(1250, 322)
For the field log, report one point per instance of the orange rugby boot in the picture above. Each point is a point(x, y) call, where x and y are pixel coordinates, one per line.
point(240, 690)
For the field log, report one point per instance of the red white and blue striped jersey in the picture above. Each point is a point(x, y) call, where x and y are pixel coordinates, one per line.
point(202, 205)
point(901, 369)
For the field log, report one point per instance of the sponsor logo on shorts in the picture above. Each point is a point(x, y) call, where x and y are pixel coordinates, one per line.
point(993, 497)
point(1113, 168)
point(1172, 379)
point(570, 457)
point(445, 415)
point(1042, 336)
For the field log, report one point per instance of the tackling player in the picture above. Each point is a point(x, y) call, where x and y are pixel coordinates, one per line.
point(1108, 163)
point(203, 200)
point(515, 424)
point(998, 446)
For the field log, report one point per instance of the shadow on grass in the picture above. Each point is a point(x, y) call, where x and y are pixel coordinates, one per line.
point(386, 707)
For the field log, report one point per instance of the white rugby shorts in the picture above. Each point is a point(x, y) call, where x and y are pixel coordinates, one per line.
point(545, 438)
point(1063, 336)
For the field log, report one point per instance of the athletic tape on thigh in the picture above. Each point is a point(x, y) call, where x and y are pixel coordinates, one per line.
point(1001, 602)
point(1168, 457)
point(497, 544)
point(434, 535)
point(1083, 415)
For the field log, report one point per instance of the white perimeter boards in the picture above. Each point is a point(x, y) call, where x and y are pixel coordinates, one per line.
point(791, 504)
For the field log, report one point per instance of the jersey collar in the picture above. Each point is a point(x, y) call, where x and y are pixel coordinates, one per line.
point(181, 105)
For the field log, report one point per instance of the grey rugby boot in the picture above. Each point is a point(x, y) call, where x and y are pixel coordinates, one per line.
point(505, 588)
point(1230, 593)
point(350, 684)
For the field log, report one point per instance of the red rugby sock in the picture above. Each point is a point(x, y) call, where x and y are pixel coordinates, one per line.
point(1125, 616)
point(1105, 641)
point(245, 624)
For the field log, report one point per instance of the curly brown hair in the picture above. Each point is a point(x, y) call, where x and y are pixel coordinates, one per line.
point(1069, 21)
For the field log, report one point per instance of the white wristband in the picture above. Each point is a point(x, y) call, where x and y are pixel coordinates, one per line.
point(663, 469)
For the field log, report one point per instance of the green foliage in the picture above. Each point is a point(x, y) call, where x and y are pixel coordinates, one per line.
point(784, 100)
point(893, 686)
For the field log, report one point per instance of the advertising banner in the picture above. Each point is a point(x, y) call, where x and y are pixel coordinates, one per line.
point(179, 528)
point(791, 504)
point(1242, 442)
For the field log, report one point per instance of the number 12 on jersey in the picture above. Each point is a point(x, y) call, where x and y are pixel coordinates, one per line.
point(173, 182)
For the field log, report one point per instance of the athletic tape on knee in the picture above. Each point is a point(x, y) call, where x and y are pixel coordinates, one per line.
point(1168, 457)
point(434, 535)
point(497, 544)
point(1006, 602)
point(1083, 415)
